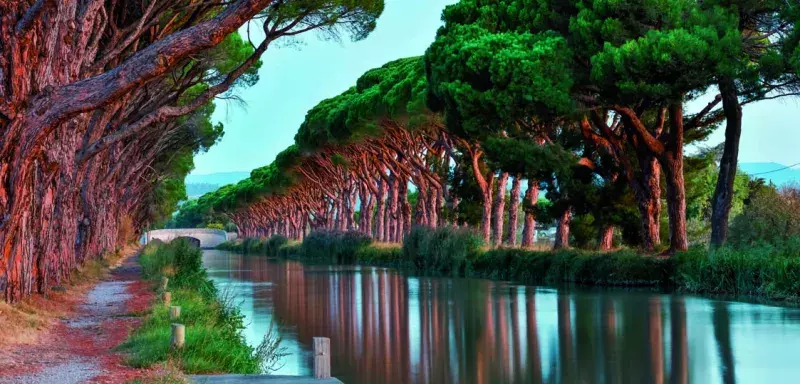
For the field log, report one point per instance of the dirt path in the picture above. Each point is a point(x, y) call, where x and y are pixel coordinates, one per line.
point(79, 349)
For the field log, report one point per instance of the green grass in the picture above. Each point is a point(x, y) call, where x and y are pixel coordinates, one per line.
point(768, 270)
point(214, 342)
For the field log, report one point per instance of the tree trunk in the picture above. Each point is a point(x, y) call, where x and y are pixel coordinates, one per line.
point(676, 206)
point(529, 228)
point(380, 213)
point(562, 230)
point(648, 199)
point(405, 210)
point(393, 214)
point(499, 209)
point(723, 194)
point(672, 161)
point(606, 238)
point(513, 210)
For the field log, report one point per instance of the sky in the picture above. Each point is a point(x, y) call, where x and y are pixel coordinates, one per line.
point(294, 78)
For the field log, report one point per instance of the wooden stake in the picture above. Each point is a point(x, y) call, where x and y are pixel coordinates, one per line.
point(174, 313)
point(322, 358)
point(163, 286)
point(178, 336)
point(166, 297)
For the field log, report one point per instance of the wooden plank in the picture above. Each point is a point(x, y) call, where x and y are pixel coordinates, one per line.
point(322, 358)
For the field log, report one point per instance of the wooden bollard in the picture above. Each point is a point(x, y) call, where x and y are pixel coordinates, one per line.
point(178, 336)
point(163, 286)
point(174, 313)
point(322, 358)
point(166, 297)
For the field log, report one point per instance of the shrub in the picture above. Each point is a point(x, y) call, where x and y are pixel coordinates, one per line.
point(445, 249)
point(334, 246)
point(771, 270)
point(387, 255)
point(770, 216)
point(273, 245)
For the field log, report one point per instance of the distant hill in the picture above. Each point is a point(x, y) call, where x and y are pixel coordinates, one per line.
point(782, 177)
point(219, 178)
point(198, 185)
point(197, 190)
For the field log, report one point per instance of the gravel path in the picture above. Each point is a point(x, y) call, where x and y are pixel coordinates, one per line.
point(79, 349)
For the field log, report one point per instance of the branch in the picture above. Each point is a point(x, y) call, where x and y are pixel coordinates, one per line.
point(31, 14)
point(166, 112)
point(652, 144)
point(50, 109)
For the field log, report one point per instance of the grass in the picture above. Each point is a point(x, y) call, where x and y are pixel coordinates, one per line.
point(214, 340)
point(769, 271)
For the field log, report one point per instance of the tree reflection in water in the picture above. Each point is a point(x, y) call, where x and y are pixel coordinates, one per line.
point(389, 328)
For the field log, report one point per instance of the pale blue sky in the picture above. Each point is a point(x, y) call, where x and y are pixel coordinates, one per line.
point(295, 78)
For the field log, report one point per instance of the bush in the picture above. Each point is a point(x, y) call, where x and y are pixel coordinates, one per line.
point(770, 216)
point(387, 255)
point(273, 245)
point(445, 249)
point(771, 270)
point(625, 268)
point(334, 247)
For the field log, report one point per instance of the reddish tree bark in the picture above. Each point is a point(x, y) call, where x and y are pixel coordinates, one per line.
point(513, 210)
point(499, 209)
point(606, 238)
point(529, 227)
point(562, 230)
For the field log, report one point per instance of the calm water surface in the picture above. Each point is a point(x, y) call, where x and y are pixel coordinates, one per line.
point(388, 328)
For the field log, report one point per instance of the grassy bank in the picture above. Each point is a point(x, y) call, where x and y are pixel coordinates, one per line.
point(214, 341)
point(762, 270)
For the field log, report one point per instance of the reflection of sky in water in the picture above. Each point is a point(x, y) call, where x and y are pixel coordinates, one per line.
point(388, 328)
point(254, 301)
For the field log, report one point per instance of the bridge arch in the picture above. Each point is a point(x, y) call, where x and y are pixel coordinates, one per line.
point(206, 237)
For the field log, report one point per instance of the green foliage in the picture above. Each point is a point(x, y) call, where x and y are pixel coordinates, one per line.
point(216, 226)
point(771, 270)
point(333, 246)
point(394, 91)
point(386, 255)
point(770, 216)
point(214, 342)
point(623, 268)
point(445, 249)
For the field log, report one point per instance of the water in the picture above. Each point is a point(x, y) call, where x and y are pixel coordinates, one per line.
point(389, 328)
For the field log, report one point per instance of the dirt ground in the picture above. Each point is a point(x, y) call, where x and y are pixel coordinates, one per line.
point(77, 345)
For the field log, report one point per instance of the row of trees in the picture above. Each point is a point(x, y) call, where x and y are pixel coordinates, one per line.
point(592, 102)
point(103, 103)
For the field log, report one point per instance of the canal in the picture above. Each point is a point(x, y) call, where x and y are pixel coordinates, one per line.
point(386, 327)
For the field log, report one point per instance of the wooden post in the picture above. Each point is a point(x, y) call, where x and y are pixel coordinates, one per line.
point(166, 297)
point(178, 336)
point(322, 358)
point(174, 313)
point(163, 286)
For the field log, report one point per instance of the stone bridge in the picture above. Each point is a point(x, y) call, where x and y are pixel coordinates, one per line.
point(206, 237)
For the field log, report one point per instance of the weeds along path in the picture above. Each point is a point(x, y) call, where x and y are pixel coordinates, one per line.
point(80, 348)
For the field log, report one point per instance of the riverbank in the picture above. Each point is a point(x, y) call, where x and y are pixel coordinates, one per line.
point(69, 336)
point(769, 271)
point(214, 342)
